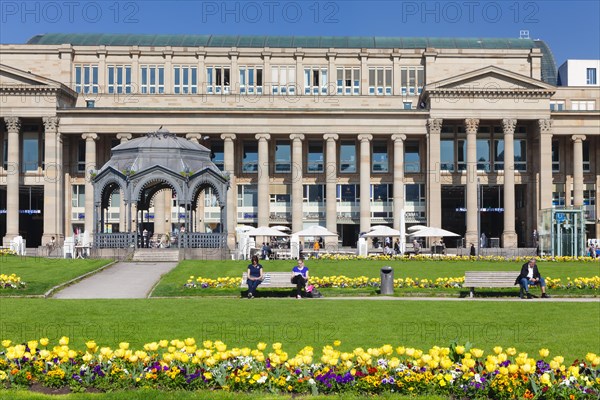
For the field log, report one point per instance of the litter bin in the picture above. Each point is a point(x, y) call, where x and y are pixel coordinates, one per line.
point(387, 280)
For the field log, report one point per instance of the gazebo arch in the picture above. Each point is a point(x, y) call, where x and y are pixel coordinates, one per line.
point(147, 165)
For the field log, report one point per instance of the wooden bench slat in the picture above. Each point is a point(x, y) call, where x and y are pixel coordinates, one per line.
point(273, 280)
point(489, 279)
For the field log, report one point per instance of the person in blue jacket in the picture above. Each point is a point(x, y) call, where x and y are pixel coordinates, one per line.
point(255, 276)
point(300, 277)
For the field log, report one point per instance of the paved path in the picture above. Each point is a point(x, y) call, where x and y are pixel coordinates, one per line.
point(124, 280)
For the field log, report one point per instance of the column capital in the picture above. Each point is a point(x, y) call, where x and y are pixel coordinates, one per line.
point(471, 125)
point(578, 138)
point(123, 137)
point(228, 136)
point(331, 136)
point(297, 136)
point(90, 136)
point(508, 125)
point(545, 125)
point(262, 136)
point(434, 125)
point(194, 137)
point(399, 137)
point(13, 124)
point(365, 137)
point(50, 123)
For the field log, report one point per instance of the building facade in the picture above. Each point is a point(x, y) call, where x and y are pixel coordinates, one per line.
point(467, 135)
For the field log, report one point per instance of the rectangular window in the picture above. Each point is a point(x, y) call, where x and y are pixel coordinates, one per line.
point(5, 152)
point(251, 80)
point(447, 155)
point(152, 79)
point(315, 80)
point(382, 192)
point(347, 157)
point(314, 162)
point(379, 159)
point(558, 105)
point(461, 155)
point(483, 155)
point(283, 157)
point(31, 152)
point(218, 80)
point(380, 81)
point(520, 155)
point(558, 195)
point(414, 194)
point(590, 75)
point(250, 157)
point(348, 81)
point(217, 154)
point(348, 192)
point(185, 79)
point(247, 195)
point(412, 157)
point(555, 156)
point(411, 80)
point(78, 196)
point(589, 196)
point(586, 156)
point(583, 105)
point(86, 78)
point(81, 156)
point(119, 79)
point(283, 79)
point(314, 193)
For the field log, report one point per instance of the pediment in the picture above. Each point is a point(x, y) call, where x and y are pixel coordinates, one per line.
point(10, 76)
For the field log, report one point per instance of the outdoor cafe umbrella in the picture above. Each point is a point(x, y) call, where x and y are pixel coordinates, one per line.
point(433, 232)
point(282, 228)
point(383, 231)
point(265, 231)
point(416, 227)
point(315, 230)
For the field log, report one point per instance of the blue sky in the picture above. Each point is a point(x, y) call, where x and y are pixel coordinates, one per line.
point(570, 28)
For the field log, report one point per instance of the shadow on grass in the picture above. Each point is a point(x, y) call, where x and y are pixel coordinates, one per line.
point(487, 293)
point(279, 293)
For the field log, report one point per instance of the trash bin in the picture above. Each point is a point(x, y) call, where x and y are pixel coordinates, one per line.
point(387, 280)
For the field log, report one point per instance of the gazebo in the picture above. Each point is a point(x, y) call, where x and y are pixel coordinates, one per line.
point(144, 166)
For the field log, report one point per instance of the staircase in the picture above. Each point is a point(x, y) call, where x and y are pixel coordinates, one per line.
point(156, 255)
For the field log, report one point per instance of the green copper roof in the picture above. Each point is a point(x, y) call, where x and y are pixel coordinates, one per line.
point(549, 72)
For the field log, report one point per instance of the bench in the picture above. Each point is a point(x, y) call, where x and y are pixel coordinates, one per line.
point(272, 280)
point(489, 279)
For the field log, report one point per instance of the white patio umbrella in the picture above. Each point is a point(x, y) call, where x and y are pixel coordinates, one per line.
point(243, 228)
point(377, 227)
point(265, 231)
point(416, 228)
point(383, 231)
point(282, 228)
point(315, 230)
point(433, 232)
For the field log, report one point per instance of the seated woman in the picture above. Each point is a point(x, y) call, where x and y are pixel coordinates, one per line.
point(255, 276)
point(300, 277)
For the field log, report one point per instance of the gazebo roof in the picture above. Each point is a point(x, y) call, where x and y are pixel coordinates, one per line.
point(160, 148)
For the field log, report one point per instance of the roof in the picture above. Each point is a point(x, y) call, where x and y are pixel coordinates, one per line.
point(255, 41)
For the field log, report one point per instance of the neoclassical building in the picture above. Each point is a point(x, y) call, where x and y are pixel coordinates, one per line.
point(470, 135)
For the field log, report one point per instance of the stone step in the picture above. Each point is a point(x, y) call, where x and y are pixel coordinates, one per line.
point(145, 255)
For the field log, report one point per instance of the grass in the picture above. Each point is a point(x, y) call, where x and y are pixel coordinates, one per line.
point(42, 274)
point(528, 326)
point(172, 283)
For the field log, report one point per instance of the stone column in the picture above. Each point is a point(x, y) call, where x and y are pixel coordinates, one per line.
point(229, 165)
point(297, 169)
point(434, 184)
point(331, 181)
point(90, 166)
point(545, 171)
point(365, 181)
point(577, 170)
point(13, 126)
point(263, 179)
point(198, 224)
point(52, 173)
point(123, 137)
point(398, 179)
point(509, 235)
point(471, 236)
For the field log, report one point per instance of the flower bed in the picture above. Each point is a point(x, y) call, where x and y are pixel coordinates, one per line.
point(11, 281)
point(363, 282)
point(457, 258)
point(455, 371)
point(7, 252)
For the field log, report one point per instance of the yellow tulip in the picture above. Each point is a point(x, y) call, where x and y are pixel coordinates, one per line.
point(460, 349)
point(545, 379)
point(163, 343)
point(124, 345)
point(544, 353)
point(87, 357)
point(261, 346)
point(44, 341)
point(189, 341)
point(511, 351)
point(498, 349)
point(337, 343)
point(64, 341)
point(477, 353)
point(277, 346)
point(6, 343)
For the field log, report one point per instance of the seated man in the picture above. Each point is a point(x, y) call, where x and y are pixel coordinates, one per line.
point(530, 275)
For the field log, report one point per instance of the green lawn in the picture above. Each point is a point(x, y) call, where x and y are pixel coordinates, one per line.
point(42, 274)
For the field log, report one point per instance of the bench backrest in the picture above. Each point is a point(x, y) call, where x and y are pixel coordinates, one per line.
point(490, 278)
point(273, 279)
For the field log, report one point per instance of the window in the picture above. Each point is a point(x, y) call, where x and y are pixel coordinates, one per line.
point(447, 155)
point(315, 80)
point(414, 194)
point(348, 192)
point(379, 160)
point(314, 163)
point(251, 80)
point(86, 78)
point(590, 75)
point(152, 79)
point(586, 156)
point(314, 193)
point(284, 79)
point(461, 155)
point(119, 79)
point(248, 196)
point(283, 157)
point(347, 157)
point(348, 81)
point(31, 152)
point(412, 157)
point(558, 105)
point(520, 155)
point(250, 158)
point(81, 156)
point(555, 156)
point(380, 81)
point(483, 155)
point(382, 192)
point(589, 195)
point(185, 79)
point(558, 195)
point(407, 105)
point(217, 154)
point(411, 80)
point(218, 80)
point(78, 196)
point(583, 105)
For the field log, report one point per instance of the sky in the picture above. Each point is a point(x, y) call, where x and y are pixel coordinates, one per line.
point(570, 28)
